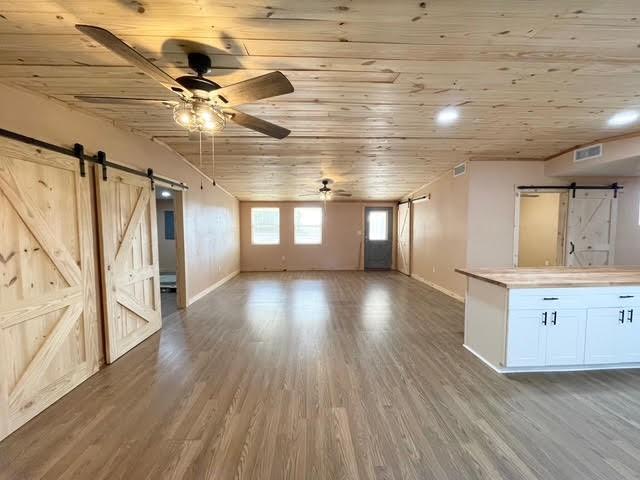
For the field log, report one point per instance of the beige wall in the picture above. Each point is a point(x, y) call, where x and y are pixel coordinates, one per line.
point(211, 214)
point(440, 233)
point(538, 239)
point(166, 248)
point(492, 210)
point(341, 249)
point(627, 250)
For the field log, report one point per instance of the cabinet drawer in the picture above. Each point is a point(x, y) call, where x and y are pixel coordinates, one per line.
point(520, 300)
point(586, 297)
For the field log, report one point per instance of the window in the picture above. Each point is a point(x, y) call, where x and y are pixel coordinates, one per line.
point(378, 230)
point(265, 226)
point(307, 223)
point(169, 225)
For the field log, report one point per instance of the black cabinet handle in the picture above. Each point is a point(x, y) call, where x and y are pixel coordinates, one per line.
point(554, 318)
point(621, 317)
point(626, 296)
point(550, 298)
point(573, 248)
point(544, 318)
point(630, 315)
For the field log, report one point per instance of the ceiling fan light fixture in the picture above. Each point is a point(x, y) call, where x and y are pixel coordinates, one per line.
point(199, 116)
point(183, 115)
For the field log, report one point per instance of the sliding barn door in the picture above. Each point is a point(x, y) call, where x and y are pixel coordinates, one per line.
point(591, 228)
point(49, 327)
point(404, 238)
point(129, 257)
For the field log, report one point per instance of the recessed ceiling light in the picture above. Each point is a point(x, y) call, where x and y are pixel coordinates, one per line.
point(165, 194)
point(447, 116)
point(623, 118)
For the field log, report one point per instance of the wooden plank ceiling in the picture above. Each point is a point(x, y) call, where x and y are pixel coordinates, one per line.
point(531, 78)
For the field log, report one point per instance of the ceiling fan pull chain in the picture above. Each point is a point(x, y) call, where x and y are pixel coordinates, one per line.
point(213, 165)
point(200, 145)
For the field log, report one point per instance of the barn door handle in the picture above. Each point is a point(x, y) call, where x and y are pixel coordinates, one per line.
point(573, 248)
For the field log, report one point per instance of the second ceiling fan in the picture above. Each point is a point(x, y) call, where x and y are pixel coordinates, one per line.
point(203, 105)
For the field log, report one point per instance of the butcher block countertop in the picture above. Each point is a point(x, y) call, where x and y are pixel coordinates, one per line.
point(555, 277)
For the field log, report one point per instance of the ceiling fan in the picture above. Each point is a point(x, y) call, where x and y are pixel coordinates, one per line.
point(326, 192)
point(203, 105)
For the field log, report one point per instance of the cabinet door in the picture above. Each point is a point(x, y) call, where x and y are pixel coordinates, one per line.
point(605, 333)
point(565, 337)
point(526, 338)
point(631, 335)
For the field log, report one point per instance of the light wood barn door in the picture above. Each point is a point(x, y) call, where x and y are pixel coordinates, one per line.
point(49, 328)
point(404, 238)
point(129, 257)
point(591, 228)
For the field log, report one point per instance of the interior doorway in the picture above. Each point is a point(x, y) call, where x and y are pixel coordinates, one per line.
point(170, 246)
point(378, 244)
point(541, 219)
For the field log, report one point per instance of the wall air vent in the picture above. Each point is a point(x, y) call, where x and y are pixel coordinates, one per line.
point(587, 153)
point(459, 169)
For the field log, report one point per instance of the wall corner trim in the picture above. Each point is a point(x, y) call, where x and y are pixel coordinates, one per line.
point(446, 291)
point(210, 289)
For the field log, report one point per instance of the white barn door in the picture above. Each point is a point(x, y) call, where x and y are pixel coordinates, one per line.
point(404, 238)
point(591, 228)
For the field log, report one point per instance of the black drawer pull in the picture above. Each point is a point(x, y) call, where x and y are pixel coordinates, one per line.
point(551, 298)
point(630, 315)
point(626, 296)
point(621, 317)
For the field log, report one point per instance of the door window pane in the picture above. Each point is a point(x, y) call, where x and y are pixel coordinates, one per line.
point(265, 226)
point(307, 225)
point(378, 229)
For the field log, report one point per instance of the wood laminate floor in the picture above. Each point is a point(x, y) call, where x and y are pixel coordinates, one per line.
point(328, 376)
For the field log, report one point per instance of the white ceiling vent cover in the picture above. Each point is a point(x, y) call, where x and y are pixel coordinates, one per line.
point(459, 169)
point(587, 153)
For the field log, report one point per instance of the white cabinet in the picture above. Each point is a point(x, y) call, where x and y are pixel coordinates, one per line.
point(631, 340)
point(612, 336)
point(604, 335)
point(545, 338)
point(565, 337)
point(527, 338)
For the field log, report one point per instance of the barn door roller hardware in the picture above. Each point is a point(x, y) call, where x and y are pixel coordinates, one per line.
point(573, 187)
point(99, 159)
point(410, 200)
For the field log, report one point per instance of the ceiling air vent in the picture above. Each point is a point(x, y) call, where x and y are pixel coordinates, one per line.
point(587, 153)
point(459, 169)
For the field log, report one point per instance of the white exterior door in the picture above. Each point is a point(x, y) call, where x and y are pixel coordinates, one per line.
point(526, 344)
point(591, 228)
point(565, 337)
point(605, 331)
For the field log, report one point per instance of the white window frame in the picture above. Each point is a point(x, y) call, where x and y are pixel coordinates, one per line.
point(253, 240)
point(295, 240)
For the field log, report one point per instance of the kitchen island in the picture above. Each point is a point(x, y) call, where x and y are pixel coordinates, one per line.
point(553, 319)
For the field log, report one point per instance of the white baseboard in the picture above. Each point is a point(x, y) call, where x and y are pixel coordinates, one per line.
point(551, 369)
point(210, 289)
point(484, 360)
point(446, 291)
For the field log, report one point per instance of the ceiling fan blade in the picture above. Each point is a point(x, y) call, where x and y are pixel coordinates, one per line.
point(257, 124)
point(117, 46)
point(265, 86)
point(316, 194)
point(124, 100)
point(341, 194)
